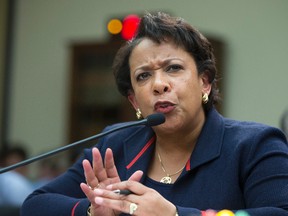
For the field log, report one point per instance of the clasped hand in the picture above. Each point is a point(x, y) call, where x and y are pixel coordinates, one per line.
point(102, 179)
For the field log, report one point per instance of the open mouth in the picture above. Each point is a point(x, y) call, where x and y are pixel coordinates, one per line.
point(164, 107)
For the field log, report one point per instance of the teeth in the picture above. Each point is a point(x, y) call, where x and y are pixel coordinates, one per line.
point(164, 105)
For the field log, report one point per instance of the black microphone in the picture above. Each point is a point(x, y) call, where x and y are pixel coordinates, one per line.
point(151, 120)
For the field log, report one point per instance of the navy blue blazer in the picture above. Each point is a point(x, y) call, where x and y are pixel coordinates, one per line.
point(235, 165)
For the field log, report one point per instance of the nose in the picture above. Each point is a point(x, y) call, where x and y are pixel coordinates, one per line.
point(161, 84)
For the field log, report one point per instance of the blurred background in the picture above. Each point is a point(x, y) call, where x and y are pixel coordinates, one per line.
point(56, 85)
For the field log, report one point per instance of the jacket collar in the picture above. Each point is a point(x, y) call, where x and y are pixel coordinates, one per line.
point(209, 144)
point(139, 146)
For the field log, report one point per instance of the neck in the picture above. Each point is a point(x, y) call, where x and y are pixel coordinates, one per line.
point(175, 149)
point(182, 139)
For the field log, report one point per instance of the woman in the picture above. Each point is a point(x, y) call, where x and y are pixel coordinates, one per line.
point(196, 160)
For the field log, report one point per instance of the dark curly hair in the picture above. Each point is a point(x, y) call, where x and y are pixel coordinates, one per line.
point(159, 28)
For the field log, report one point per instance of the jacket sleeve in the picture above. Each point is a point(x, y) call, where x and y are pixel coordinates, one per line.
point(263, 172)
point(63, 196)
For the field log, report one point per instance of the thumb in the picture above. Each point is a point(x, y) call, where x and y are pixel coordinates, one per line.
point(136, 176)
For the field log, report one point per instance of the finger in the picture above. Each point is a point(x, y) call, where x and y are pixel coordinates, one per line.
point(88, 192)
point(89, 174)
point(110, 165)
point(136, 176)
point(134, 186)
point(110, 198)
point(106, 194)
point(119, 205)
point(98, 168)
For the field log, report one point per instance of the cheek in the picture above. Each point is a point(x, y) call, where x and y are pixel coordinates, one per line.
point(185, 84)
point(190, 90)
point(140, 96)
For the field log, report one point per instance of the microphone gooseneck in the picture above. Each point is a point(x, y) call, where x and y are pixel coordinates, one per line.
point(155, 119)
point(151, 120)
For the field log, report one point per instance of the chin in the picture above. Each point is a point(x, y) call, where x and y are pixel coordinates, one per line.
point(167, 127)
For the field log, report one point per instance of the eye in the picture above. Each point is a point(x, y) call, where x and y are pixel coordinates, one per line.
point(174, 68)
point(143, 76)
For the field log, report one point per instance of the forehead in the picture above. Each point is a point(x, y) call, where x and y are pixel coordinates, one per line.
point(146, 44)
point(148, 50)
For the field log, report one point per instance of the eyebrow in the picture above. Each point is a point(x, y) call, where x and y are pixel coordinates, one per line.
point(165, 62)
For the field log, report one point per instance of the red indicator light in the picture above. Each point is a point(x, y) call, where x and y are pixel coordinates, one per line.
point(130, 25)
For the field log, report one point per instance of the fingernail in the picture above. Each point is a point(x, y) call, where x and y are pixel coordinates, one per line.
point(99, 200)
point(109, 187)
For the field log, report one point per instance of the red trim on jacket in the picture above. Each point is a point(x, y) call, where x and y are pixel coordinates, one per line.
point(188, 165)
point(73, 210)
point(148, 144)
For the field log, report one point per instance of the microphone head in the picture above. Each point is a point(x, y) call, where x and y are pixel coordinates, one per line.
point(155, 119)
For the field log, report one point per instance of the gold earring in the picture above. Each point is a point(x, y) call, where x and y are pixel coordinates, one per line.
point(139, 114)
point(205, 98)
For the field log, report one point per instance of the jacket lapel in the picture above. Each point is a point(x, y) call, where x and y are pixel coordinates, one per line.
point(138, 150)
point(208, 146)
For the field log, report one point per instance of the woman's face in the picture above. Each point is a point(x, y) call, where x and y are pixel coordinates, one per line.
point(164, 79)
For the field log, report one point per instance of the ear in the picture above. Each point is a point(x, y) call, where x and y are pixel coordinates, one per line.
point(206, 85)
point(133, 101)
